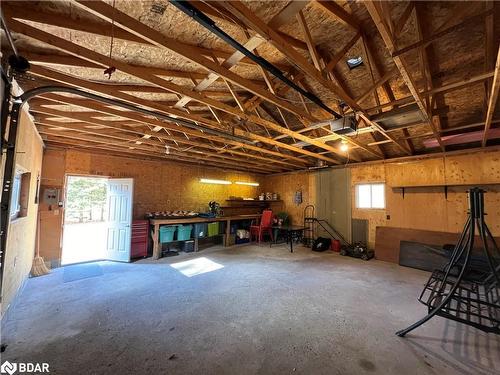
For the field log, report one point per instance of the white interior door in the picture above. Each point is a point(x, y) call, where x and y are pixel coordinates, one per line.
point(119, 210)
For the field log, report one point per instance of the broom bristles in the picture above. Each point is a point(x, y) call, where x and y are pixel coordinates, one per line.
point(39, 268)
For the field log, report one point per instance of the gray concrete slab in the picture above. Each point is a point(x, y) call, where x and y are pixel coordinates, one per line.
point(242, 310)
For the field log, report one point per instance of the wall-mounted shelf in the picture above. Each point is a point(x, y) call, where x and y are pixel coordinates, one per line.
point(254, 201)
point(445, 187)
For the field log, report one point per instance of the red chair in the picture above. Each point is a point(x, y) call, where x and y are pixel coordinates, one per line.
point(263, 227)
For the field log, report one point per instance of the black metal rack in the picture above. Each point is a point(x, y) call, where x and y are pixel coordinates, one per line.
point(309, 219)
point(311, 223)
point(467, 290)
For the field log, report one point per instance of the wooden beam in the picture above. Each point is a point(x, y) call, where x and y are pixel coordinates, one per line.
point(492, 101)
point(85, 145)
point(426, 41)
point(169, 86)
point(446, 88)
point(22, 12)
point(340, 54)
point(260, 27)
point(86, 121)
point(402, 66)
point(106, 139)
point(489, 50)
point(146, 120)
point(158, 146)
point(340, 13)
point(255, 23)
point(69, 60)
point(310, 45)
point(140, 119)
point(398, 27)
point(130, 24)
point(283, 16)
point(383, 79)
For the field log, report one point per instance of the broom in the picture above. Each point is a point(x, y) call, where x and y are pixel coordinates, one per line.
point(38, 268)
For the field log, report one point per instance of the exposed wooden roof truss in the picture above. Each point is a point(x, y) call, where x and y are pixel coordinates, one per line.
point(168, 63)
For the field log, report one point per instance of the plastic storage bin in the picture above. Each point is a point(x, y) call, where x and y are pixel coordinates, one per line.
point(213, 229)
point(167, 233)
point(200, 230)
point(184, 232)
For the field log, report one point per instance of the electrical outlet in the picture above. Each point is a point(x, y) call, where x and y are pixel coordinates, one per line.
point(388, 217)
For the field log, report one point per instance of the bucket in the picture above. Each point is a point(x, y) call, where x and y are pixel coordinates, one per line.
point(336, 246)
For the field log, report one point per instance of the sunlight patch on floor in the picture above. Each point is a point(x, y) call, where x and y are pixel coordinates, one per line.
point(196, 266)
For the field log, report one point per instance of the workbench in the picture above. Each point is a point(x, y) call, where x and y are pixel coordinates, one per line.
point(155, 228)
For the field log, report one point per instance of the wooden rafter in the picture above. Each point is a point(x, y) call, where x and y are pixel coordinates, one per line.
point(149, 144)
point(142, 120)
point(469, 81)
point(405, 16)
point(252, 43)
point(286, 13)
point(169, 86)
point(83, 142)
point(310, 44)
point(252, 21)
point(130, 24)
point(493, 100)
point(54, 19)
point(82, 121)
point(385, 32)
point(248, 17)
point(426, 41)
point(340, 13)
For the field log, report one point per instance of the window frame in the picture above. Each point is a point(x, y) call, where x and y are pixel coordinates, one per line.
point(370, 184)
point(16, 195)
point(20, 195)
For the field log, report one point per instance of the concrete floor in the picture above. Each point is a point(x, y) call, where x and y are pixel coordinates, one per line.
point(243, 310)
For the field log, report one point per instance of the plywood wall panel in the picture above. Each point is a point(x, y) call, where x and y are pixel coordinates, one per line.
point(479, 168)
point(21, 236)
point(286, 186)
point(424, 207)
point(416, 173)
point(158, 186)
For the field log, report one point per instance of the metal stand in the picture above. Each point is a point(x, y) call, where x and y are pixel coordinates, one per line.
point(467, 289)
point(309, 220)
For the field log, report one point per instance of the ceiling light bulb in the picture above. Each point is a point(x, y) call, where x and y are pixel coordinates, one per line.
point(344, 147)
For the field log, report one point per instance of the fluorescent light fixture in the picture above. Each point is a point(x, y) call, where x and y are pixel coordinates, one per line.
point(219, 182)
point(247, 183)
point(196, 266)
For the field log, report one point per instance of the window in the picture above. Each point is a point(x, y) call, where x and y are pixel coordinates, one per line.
point(20, 194)
point(370, 196)
point(15, 203)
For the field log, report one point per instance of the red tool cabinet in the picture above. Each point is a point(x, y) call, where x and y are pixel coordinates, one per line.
point(140, 236)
